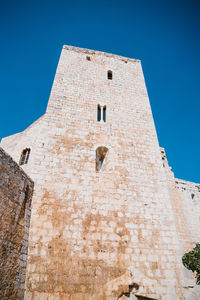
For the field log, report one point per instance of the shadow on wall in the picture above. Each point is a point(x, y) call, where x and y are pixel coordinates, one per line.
point(16, 190)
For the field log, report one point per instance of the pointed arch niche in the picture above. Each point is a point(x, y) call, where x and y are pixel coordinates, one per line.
point(101, 153)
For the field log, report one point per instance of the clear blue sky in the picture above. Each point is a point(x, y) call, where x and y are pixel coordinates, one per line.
point(163, 34)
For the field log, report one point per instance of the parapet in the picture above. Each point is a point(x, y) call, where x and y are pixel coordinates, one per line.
point(95, 52)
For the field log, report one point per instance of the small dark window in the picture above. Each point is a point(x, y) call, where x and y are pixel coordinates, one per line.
point(88, 58)
point(100, 156)
point(101, 113)
point(98, 113)
point(110, 75)
point(25, 156)
point(104, 113)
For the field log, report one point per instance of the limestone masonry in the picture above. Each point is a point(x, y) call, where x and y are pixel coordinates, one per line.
point(16, 190)
point(108, 220)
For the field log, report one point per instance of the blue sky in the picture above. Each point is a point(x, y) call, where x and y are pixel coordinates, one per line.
point(164, 35)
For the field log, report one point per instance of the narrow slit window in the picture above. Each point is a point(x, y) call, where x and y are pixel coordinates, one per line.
point(100, 156)
point(25, 156)
point(104, 113)
point(110, 76)
point(98, 113)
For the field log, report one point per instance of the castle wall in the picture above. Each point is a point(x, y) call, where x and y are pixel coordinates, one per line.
point(186, 211)
point(190, 196)
point(16, 143)
point(186, 205)
point(190, 192)
point(98, 235)
point(16, 190)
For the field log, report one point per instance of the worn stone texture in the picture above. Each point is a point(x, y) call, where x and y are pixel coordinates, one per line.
point(16, 190)
point(190, 192)
point(95, 235)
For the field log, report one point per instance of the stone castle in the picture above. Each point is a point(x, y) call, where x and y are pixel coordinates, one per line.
point(108, 219)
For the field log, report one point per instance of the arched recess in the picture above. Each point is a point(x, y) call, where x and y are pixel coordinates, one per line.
point(101, 153)
point(24, 156)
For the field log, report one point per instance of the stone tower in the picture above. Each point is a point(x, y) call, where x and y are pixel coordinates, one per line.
point(107, 219)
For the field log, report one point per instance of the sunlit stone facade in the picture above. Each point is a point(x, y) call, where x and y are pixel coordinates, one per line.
point(107, 224)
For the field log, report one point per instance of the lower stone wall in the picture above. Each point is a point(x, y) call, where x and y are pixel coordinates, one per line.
point(190, 194)
point(16, 190)
point(191, 191)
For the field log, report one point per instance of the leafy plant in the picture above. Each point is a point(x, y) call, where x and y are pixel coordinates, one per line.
point(191, 260)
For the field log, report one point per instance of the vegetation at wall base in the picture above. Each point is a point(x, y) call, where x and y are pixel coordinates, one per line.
point(191, 260)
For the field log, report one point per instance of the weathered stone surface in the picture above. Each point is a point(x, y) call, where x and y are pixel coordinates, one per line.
point(16, 190)
point(97, 232)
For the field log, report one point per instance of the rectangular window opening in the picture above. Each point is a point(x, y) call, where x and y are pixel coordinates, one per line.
point(104, 113)
point(98, 113)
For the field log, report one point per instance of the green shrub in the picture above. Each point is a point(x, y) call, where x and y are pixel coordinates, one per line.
point(191, 261)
